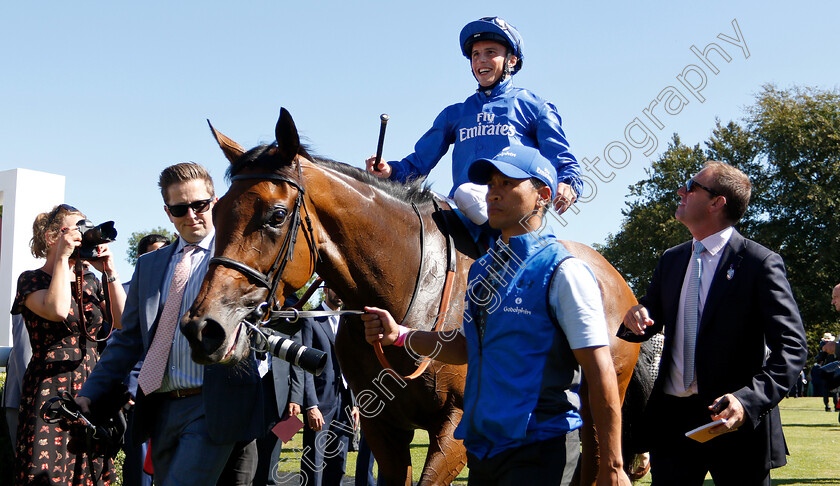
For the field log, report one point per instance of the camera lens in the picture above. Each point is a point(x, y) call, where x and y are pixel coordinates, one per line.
point(93, 236)
point(311, 360)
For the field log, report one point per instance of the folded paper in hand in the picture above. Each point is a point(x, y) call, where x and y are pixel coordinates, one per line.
point(287, 428)
point(702, 433)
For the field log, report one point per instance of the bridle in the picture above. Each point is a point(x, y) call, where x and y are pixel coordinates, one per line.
point(271, 312)
point(269, 309)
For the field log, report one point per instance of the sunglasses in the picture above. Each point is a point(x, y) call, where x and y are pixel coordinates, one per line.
point(198, 207)
point(61, 207)
point(691, 184)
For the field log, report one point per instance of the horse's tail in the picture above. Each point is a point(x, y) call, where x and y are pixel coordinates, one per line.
point(634, 435)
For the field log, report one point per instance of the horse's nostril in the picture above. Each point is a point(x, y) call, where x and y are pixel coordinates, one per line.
point(212, 334)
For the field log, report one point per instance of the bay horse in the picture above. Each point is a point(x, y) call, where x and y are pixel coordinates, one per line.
point(288, 215)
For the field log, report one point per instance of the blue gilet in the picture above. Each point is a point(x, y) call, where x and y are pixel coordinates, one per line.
point(522, 379)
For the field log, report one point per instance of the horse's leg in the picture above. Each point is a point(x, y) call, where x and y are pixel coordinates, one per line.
point(587, 470)
point(391, 448)
point(447, 455)
point(624, 359)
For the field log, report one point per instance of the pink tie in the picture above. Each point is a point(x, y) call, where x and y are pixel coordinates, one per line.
point(151, 374)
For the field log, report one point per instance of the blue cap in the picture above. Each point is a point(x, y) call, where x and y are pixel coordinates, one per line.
point(516, 162)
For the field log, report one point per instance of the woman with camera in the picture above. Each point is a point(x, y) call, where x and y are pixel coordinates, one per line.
point(63, 343)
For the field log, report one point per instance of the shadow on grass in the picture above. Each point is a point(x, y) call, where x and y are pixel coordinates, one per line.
point(821, 482)
point(818, 426)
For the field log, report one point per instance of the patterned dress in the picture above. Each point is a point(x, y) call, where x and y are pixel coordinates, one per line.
point(62, 358)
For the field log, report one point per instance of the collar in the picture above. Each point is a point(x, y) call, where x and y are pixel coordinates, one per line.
point(717, 242)
point(504, 86)
point(204, 244)
point(523, 246)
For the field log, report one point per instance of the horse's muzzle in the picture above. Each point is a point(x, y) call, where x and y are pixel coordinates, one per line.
point(211, 343)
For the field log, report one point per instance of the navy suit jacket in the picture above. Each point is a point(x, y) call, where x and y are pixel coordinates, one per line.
point(285, 390)
point(749, 305)
point(232, 395)
point(327, 390)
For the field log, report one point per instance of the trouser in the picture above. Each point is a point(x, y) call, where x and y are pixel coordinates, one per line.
point(472, 201)
point(676, 460)
point(549, 462)
point(182, 451)
point(241, 467)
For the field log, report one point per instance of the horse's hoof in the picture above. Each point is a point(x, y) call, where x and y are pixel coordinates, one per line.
point(640, 467)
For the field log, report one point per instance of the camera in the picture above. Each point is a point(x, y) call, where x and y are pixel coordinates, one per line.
point(311, 360)
point(92, 236)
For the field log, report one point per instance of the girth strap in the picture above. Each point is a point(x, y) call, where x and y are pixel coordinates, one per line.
point(446, 298)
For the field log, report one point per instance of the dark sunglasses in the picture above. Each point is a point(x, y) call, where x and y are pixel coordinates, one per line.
point(691, 184)
point(198, 207)
point(61, 207)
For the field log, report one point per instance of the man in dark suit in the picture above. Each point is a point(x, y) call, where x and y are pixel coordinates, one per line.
point(734, 342)
point(330, 414)
point(281, 400)
point(194, 414)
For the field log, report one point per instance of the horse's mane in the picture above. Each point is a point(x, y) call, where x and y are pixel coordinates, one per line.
point(415, 191)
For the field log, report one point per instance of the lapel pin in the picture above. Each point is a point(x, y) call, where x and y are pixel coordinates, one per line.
point(730, 273)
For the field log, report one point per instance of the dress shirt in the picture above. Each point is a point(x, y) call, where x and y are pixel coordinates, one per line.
point(182, 372)
point(710, 258)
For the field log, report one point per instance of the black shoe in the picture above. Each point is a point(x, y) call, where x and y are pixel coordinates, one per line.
point(827, 409)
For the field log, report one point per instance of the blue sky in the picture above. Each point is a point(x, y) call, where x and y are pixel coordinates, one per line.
point(109, 93)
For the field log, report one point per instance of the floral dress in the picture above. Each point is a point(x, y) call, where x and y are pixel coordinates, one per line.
point(62, 358)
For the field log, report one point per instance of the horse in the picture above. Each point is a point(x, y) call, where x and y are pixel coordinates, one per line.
point(288, 215)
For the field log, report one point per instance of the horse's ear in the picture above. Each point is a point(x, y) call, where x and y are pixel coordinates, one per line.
point(231, 149)
point(288, 141)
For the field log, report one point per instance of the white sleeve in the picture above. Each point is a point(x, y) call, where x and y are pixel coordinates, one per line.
point(575, 299)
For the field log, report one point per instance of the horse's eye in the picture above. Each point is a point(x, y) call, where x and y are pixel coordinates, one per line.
point(277, 217)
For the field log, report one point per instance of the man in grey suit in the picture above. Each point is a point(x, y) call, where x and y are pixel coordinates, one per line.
point(734, 342)
point(194, 414)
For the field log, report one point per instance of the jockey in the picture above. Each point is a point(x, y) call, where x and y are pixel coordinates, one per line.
point(496, 116)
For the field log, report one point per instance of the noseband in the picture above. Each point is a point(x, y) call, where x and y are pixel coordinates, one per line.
point(271, 279)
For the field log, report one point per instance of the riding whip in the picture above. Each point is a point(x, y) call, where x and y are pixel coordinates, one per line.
point(384, 118)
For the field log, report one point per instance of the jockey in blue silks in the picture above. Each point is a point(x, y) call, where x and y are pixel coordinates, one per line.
point(496, 116)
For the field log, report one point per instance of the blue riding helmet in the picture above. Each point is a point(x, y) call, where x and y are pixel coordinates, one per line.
point(492, 29)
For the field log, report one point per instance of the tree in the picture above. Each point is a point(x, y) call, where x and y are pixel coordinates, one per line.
point(649, 227)
point(789, 146)
point(134, 239)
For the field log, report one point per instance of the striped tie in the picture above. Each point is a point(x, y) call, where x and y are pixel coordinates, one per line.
point(692, 313)
point(154, 366)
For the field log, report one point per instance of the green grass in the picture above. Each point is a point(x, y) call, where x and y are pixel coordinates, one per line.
point(290, 458)
point(813, 438)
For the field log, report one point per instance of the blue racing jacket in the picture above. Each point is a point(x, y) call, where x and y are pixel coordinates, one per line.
point(522, 376)
point(482, 126)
